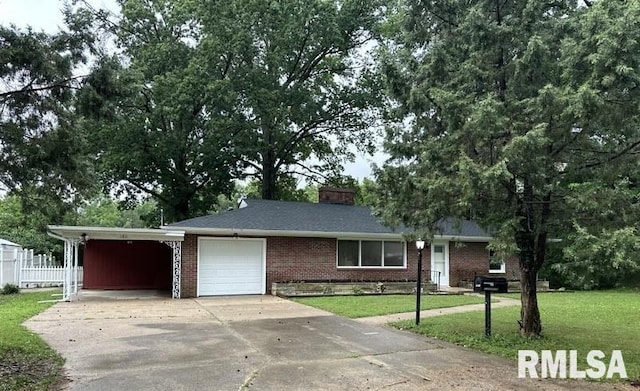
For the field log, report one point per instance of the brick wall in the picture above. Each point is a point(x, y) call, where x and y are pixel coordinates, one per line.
point(466, 260)
point(512, 268)
point(336, 195)
point(189, 267)
point(314, 259)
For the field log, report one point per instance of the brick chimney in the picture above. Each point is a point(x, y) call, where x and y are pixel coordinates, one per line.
point(335, 195)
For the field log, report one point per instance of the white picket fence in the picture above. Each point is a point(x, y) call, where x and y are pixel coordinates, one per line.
point(29, 270)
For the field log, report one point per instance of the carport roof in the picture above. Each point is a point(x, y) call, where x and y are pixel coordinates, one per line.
point(290, 218)
point(111, 233)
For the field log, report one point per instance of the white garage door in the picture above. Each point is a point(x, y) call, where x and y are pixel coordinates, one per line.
point(231, 267)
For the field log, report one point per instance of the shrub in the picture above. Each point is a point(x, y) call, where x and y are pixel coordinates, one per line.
point(10, 289)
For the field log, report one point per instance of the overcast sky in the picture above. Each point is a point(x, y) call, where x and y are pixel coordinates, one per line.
point(46, 15)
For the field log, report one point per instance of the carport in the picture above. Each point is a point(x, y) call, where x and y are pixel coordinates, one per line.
point(121, 258)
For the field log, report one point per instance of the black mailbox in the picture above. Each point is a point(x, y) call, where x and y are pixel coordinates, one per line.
point(490, 284)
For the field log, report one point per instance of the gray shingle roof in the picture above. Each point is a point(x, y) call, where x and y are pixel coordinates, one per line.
point(267, 215)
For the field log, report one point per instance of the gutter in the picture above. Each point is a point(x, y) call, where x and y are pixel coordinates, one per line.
point(316, 234)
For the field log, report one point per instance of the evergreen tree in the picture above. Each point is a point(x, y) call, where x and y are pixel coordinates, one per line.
point(506, 113)
point(42, 145)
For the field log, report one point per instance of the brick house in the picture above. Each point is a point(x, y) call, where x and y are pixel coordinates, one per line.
point(245, 250)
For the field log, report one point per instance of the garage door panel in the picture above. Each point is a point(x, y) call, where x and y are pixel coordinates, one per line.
point(230, 266)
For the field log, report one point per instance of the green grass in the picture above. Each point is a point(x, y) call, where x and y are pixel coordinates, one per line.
point(361, 306)
point(26, 361)
point(582, 321)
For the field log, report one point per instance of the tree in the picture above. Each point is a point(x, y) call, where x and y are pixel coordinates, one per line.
point(102, 211)
point(26, 229)
point(306, 93)
point(42, 148)
point(601, 249)
point(161, 110)
point(204, 92)
point(605, 259)
point(367, 193)
point(509, 110)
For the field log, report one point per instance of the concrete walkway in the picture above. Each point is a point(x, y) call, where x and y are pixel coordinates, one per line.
point(384, 319)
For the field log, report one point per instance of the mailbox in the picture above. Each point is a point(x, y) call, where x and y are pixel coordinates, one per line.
point(490, 284)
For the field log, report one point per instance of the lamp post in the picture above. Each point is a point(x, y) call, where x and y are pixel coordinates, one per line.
point(420, 247)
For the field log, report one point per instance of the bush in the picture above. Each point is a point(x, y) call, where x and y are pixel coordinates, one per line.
point(10, 289)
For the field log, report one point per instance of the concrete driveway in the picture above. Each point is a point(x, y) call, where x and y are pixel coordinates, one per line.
point(257, 343)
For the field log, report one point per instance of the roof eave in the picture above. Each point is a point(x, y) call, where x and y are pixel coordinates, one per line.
point(319, 234)
point(66, 232)
point(462, 238)
point(289, 233)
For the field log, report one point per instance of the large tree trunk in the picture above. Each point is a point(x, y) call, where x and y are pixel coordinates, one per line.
point(180, 207)
point(269, 169)
point(532, 242)
point(530, 323)
point(269, 177)
point(180, 211)
point(532, 254)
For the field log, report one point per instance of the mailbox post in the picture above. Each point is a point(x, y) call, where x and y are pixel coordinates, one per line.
point(488, 285)
point(420, 247)
point(487, 314)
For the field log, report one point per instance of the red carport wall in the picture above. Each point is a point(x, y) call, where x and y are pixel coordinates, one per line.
point(121, 264)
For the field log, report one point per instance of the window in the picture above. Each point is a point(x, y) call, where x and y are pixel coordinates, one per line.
point(371, 253)
point(496, 263)
point(394, 254)
point(348, 252)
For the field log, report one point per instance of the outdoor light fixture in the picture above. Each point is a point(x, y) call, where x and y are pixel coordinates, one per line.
point(83, 238)
point(420, 247)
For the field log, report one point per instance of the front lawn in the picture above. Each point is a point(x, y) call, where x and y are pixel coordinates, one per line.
point(582, 321)
point(26, 361)
point(361, 306)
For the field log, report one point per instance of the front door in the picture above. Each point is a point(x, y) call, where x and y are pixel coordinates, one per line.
point(440, 263)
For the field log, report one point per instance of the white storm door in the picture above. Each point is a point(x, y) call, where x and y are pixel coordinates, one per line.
point(440, 263)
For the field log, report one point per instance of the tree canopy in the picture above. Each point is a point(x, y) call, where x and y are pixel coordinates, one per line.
point(26, 228)
point(201, 93)
point(510, 113)
point(42, 147)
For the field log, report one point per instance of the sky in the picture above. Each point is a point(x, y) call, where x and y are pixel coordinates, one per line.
point(46, 15)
